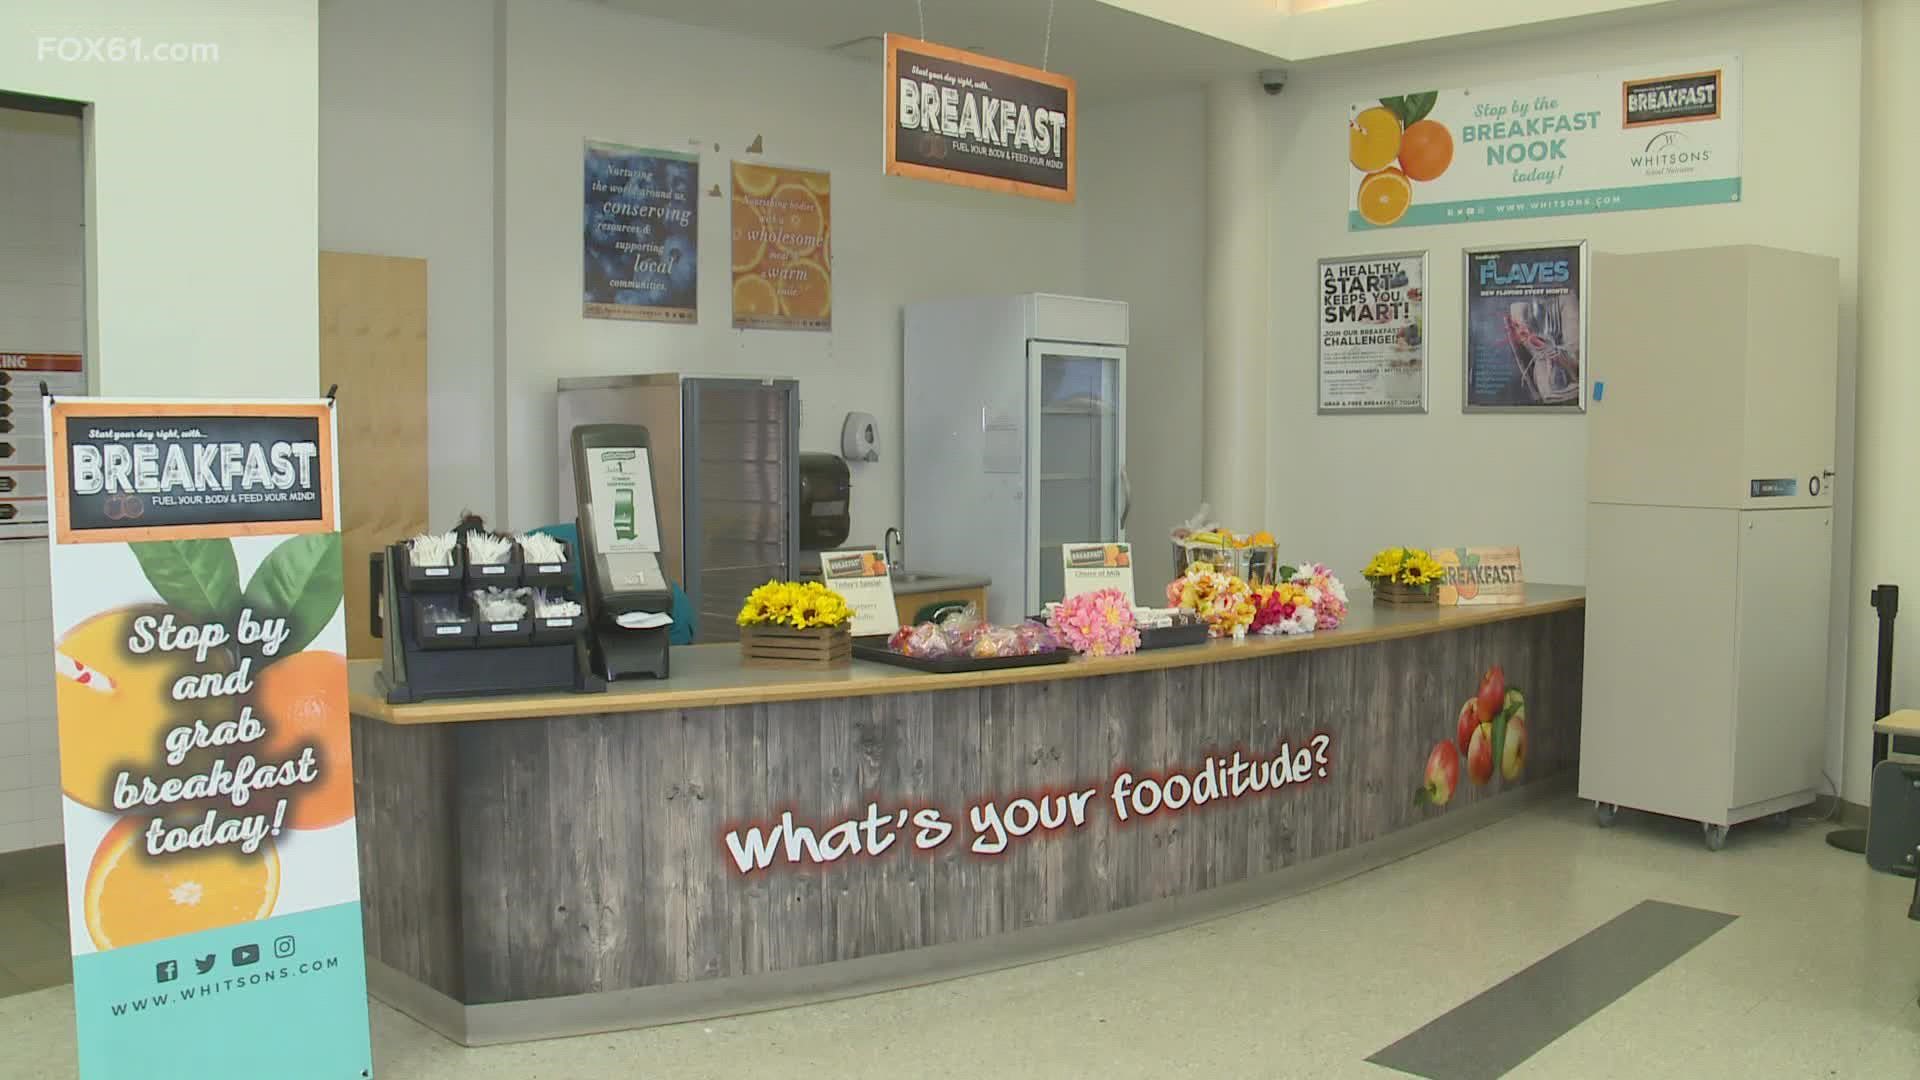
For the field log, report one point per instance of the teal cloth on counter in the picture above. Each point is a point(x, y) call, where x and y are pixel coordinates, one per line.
point(680, 633)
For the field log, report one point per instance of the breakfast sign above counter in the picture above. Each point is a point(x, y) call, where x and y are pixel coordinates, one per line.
point(957, 117)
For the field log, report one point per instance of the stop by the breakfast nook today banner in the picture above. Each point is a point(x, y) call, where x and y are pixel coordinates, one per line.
point(1660, 134)
point(201, 682)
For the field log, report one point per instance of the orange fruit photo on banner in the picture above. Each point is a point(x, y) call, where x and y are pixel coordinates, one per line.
point(782, 248)
point(132, 897)
point(303, 701)
point(115, 705)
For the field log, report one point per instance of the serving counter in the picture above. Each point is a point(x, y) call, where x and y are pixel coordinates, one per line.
point(738, 838)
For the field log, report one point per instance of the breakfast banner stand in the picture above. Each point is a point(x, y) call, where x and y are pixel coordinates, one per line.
point(205, 764)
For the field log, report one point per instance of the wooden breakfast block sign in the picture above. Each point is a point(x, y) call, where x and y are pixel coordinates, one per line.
point(1479, 576)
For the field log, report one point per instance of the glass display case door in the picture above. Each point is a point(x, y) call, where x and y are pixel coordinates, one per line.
point(1076, 454)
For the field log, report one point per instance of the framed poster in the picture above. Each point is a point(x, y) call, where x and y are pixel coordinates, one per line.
point(641, 234)
point(1525, 325)
point(782, 248)
point(1641, 138)
point(1372, 334)
point(957, 117)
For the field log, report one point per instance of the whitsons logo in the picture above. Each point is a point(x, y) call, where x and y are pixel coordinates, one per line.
point(148, 468)
point(1669, 153)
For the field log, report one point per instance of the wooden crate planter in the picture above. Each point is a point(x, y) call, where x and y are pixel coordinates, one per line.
point(1394, 593)
point(783, 646)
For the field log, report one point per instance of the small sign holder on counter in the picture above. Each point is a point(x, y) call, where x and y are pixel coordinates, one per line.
point(864, 579)
point(1480, 576)
point(1100, 565)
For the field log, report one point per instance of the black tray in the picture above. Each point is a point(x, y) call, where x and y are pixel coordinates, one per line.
point(1167, 637)
point(441, 579)
point(556, 629)
point(504, 575)
point(547, 575)
point(953, 665)
point(498, 634)
point(445, 635)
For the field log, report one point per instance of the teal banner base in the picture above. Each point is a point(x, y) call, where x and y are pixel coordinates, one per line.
point(285, 997)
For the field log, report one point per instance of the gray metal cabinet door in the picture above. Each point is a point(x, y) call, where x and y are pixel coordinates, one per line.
point(742, 482)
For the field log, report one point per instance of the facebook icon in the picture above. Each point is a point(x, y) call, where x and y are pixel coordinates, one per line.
point(166, 971)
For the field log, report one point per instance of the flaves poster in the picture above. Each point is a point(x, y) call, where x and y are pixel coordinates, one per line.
point(207, 779)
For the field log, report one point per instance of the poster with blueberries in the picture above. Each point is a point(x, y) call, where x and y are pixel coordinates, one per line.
point(641, 234)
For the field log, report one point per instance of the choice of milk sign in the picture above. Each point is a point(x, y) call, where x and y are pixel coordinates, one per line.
point(204, 759)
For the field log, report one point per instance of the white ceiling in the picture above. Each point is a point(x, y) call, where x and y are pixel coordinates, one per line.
point(1302, 30)
point(1113, 54)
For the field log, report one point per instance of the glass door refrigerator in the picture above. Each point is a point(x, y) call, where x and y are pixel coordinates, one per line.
point(1015, 439)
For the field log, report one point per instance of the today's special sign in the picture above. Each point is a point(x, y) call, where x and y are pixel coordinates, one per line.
point(206, 769)
point(1656, 135)
point(957, 117)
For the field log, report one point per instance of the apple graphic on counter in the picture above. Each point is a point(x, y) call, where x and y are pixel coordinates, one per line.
point(1493, 693)
point(1443, 775)
point(1513, 750)
point(1470, 720)
point(1480, 755)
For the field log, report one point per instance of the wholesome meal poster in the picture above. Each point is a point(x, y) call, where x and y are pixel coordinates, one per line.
point(1373, 344)
point(1641, 138)
point(641, 234)
point(1525, 328)
point(205, 764)
point(782, 248)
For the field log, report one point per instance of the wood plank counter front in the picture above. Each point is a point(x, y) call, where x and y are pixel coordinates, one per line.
point(737, 838)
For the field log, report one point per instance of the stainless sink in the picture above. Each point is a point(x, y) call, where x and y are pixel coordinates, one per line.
point(909, 577)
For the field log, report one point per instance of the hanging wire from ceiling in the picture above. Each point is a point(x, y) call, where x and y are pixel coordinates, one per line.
point(1047, 49)
point(921, 7)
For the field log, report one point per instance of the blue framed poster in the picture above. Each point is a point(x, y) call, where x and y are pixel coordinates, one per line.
point(641, 234)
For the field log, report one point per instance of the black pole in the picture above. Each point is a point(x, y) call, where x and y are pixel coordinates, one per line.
point(1886, 603)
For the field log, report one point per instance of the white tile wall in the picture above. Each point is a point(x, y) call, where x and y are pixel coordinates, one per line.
point(42, 244)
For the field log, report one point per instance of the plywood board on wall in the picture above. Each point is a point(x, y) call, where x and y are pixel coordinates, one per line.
point(373, 345)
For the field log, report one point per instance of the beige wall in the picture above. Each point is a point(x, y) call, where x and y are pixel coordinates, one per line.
point(1887, 523)
point(1363, 482)
point(202, 263)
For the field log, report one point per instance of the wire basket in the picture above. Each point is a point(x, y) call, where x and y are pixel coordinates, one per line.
point(1258, 564)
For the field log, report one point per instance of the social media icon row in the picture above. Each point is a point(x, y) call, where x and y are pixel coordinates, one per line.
point(247, 955)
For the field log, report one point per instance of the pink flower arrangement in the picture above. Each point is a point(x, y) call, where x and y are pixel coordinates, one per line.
point(1096, 623)
point(1286, 608)
point(1328, 595)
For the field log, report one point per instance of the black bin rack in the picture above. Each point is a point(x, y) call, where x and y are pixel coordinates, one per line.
point(429, 657)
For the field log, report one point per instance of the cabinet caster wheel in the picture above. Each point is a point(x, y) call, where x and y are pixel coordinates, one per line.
point(1605, 813)
point(1716, 836)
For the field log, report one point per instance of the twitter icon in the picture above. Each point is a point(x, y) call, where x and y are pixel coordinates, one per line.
point(204, 964)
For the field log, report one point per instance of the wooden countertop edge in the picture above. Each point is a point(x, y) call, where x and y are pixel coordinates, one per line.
point(548, 706)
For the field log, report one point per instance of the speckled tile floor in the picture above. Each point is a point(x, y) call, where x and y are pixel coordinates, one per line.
point(1816, 977)
point(33, 923)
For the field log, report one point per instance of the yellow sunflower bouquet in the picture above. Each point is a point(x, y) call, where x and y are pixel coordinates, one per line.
point(1405, 566)
point(796, 604)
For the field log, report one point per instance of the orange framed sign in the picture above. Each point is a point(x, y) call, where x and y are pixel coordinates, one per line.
point(956, 117)
point(126, 471)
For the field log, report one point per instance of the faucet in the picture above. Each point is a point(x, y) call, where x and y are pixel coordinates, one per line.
point(894, 536)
